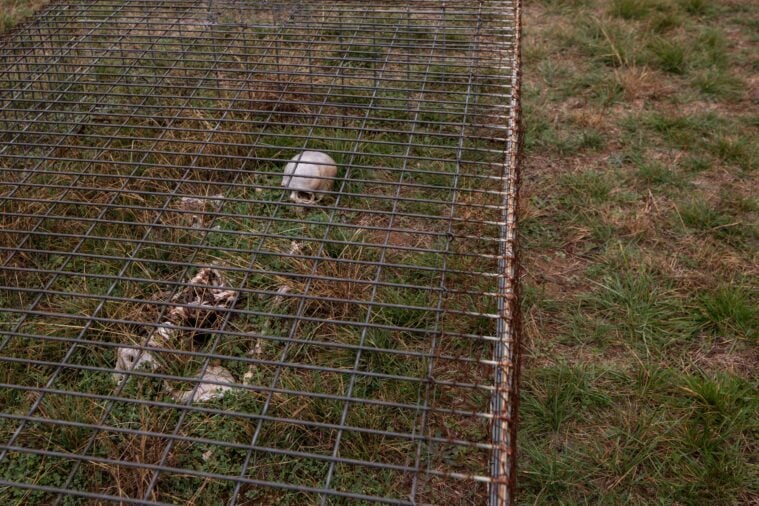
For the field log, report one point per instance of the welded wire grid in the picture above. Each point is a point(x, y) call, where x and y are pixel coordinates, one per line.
point(353, 350)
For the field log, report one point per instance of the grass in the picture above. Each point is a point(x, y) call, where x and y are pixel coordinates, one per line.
point(639, 384)
point(13, 12)
point(638, 227)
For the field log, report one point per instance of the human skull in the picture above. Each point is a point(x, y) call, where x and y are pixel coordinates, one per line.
point(307, 175)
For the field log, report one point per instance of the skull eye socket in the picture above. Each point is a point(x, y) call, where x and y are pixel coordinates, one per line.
point(305, 195)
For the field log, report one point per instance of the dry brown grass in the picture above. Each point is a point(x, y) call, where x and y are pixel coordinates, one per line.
point(334, 287)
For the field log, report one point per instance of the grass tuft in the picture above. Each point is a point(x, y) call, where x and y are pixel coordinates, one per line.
point(669, 55)
point(695, 7)
point(630, 9)
point(729, 311)
point(719, 84)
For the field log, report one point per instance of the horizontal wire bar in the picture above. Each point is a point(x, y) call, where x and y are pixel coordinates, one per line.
point(272, 272)
point(244, 290)
point(201, 265)
point(248, 335)
point(183, 471)
point(386, 122)
point(236, 414)
point(272, 450)
point(217, 214)
point(283, 316)
point(217, 476)
point(263, 389)
point(264, 362)
point(80, 493)
point(272, 253)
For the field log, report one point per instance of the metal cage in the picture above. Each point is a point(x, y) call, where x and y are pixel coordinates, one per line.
point(179, 327)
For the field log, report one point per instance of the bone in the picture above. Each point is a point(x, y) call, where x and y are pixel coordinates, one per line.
point(195, 209)
point(200, 304)
point(295, 248)
point(130, 359)
point(202, 301)
point(280, 297)
point(207, 391)
point(305, 176)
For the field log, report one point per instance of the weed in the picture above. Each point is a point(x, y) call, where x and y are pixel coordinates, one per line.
point(564, 393)
point(664, 22)
point(695, 7)
point(696, 164)
point(740, 151)
point(655, 174)
point(608, 42)
point(588, 187)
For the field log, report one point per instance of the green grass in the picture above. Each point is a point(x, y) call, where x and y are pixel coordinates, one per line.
point(669, 56)
point(639, 384)
point(729, 310)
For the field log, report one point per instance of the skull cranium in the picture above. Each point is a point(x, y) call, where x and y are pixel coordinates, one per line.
point(308, 175)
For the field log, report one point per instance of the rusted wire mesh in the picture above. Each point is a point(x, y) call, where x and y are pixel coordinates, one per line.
point(177, 329)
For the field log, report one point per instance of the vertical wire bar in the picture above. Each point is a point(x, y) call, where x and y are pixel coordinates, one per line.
point(506, 351)
point(442, 298)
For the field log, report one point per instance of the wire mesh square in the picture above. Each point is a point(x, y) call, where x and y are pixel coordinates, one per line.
point(182, 325)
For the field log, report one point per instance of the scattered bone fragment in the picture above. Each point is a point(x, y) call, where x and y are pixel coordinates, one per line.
point(247, 378)
point(202, 301)
point(257, 349)
point(295, 248)
point(201, 307)
point(280, 297)
point(209, 388)
point(164, 335)
point(129, 359)
point(308, 175)
point(194, 210)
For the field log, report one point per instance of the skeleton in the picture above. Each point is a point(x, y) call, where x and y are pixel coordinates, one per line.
point(307, 175)
point(201, 308)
